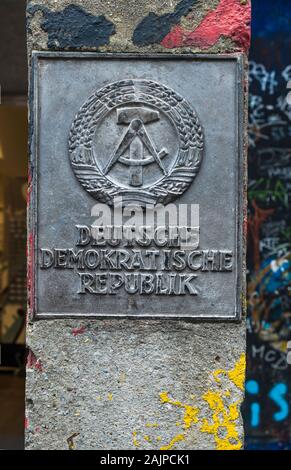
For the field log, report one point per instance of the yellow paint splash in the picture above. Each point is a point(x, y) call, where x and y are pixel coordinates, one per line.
point(110, 396)
point(179, 437)
point(190, 415)
point(235, 375)
point(189, 418)
point(223, 424)
point(136, 442)
point(225, 414)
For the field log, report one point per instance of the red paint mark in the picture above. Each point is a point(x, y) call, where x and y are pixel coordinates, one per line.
point(30, 272)
point(32, 362)
point(78, 331)
point(37, 429)
point(230, 19)
point(26, 423)
point(30, 254)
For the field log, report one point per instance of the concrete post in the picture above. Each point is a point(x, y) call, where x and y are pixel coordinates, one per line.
point(134, 383)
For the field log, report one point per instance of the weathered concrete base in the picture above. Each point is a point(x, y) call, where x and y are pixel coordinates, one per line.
point(129, 384)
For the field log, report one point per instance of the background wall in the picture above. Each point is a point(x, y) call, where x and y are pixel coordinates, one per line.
point(13, 66)
point(268, 386)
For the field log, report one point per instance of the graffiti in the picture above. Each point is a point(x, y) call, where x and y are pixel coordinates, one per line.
point(286, 74)
point(275, 161)
point(288, 97)
point(252, 387)
point(269, 301)
point(269, 110)
point(268, 386)
point(273, 357)
point(278, 395)
point(267, 80)
point(268, 191)
point(254, 222)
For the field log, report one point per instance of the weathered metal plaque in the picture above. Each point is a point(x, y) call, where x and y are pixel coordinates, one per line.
point(137, 200)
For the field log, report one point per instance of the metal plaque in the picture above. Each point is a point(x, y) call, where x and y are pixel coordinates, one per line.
point(137, 186)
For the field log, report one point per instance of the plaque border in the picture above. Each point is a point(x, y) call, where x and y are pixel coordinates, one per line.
point(241, 177)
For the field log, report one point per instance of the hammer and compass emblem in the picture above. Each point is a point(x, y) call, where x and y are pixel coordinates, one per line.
point(137, 140)
point(158, 154)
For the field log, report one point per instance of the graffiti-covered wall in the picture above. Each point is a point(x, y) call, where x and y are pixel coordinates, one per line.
point(268, 386)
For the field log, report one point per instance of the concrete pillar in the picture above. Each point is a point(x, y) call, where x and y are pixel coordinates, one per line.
point(137, 383)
